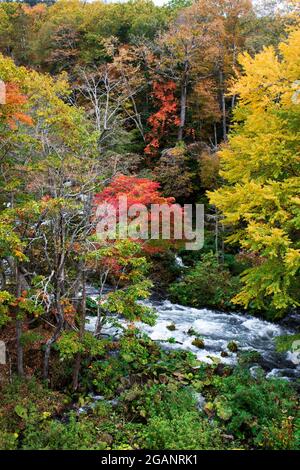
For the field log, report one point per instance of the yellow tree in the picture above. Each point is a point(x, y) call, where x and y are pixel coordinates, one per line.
point(261, 168)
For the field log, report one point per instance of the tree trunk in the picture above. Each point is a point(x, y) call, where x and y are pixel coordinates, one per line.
point(233, 66)
point(223, 105)
point(77, 364)
point(217, 235)
point(183, 98)
point(2, 276)
point(60, 320)
point(19, 328)
point(52, 340)
point(60, 259)
point(215, 135)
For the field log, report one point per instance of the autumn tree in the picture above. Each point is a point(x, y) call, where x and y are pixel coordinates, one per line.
point(178, 48)
point(140, 194)
point(109, 94)
point(223, 22)
point(49, 171)
point(20, 24)
point(260, 165)
point(11, 243)
point(198, 53)
point(163, 120)
point(174, 172)
point(72, 32)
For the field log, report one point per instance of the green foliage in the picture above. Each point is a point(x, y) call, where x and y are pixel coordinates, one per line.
point(175, 424)
point(257, 408)
point(157, 400)
point(284, 436)
point(248, 357)
point(156, 407)
point(132, 350)
point(10, 243)
point(8, 440)
point(207, 284)
point(142, 359)
point(285, 342)
point(137, 354)
point(29, 307)
point(30, 337)
point(69, 345)
point(124, 303)
point(24, 401)
point(172, 420)
point(5, 300)
point(73, 435)
point(123, 260)
point(186, 432)
point(91, 306)
point(105, 375)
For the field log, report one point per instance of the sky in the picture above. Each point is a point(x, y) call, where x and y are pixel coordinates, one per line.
point(157, 2)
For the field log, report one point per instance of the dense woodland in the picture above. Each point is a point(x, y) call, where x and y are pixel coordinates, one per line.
point(193, 102)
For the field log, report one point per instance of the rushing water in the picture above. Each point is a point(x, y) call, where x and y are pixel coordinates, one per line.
point(217, 329)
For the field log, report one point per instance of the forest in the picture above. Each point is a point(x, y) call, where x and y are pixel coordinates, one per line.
point(124, 343)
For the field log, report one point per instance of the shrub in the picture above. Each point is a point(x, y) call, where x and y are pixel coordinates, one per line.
point(184, 432)
point(8, 440)
point(285, 342)
point(283, 436)
point(247, 358)
point(208, 284)
point(258, 409)
point(171, 417)
point(25, 400)
point(55, 435)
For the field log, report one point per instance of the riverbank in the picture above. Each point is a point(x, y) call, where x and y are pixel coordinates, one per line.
point(197, 379)
point(139, 395)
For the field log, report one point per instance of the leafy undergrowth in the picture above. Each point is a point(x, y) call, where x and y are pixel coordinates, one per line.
point(207, 284)
point(153, 399)
point(288, 343)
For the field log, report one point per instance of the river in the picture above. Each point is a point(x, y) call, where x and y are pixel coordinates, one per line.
point(216, 329)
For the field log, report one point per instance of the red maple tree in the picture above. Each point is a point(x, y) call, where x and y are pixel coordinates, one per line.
point(137, 191)
point(165, 117)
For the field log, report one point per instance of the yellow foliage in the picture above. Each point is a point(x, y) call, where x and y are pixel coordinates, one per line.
point(261, 167)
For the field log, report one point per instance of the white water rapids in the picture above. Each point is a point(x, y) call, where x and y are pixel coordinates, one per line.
point(216, 329)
